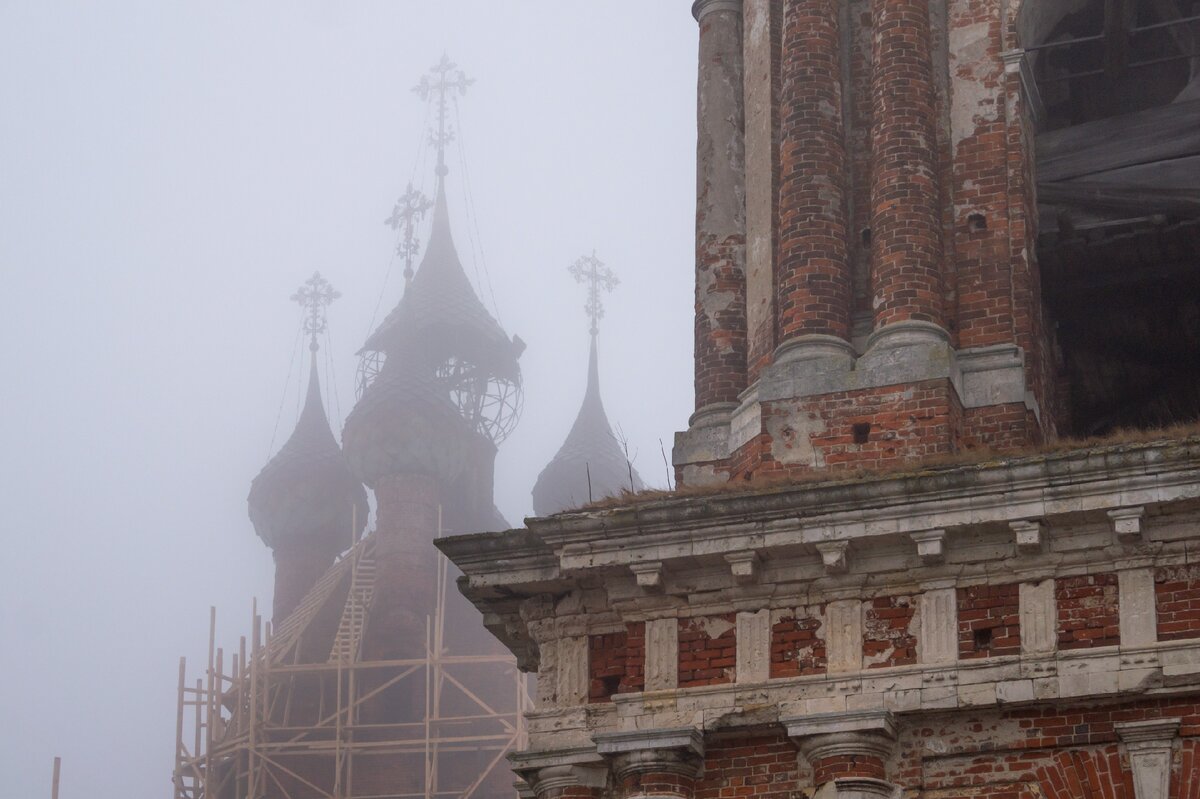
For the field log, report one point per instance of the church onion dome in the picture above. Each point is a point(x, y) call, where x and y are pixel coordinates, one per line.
point(590, 452)
point(306, 496)
point(440, 313)
point(405, 423)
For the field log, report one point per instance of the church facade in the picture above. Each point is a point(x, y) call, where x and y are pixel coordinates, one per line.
point(929, 249)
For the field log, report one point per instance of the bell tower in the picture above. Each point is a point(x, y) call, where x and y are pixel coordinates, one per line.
point(867, 290)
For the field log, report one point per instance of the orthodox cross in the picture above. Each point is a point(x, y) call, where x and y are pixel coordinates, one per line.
point(592, 270)
point(314, 296)
point(409, 210)
point(444, 79)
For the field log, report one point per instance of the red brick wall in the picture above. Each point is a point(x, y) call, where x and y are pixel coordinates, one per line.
point(989, 621)
point(764, 766)
point(1177, 595)
point(1087, 611)
point(616, 662)
point(705, 659)
point(832, 768)
point(797, 647)
point(888, 639)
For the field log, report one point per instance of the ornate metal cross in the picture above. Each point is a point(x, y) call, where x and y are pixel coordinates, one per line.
point(315, 296)
point(444, 79)
point(592, 270)
point(409, 210)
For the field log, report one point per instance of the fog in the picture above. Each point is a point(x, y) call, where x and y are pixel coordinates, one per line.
point(170, 172)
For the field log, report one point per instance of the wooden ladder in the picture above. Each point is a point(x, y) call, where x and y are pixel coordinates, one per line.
point(358, 602)
point(291, 628)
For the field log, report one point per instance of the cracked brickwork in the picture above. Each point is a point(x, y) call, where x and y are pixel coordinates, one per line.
point(707, 650)
point(1177, 596)
point(989, 621)
point(1087, 611)
point(888, 636)
point(797, 647)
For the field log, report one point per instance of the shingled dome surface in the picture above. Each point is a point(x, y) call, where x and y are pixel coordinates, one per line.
point(589, 451)
point(305, 495)
point(440, 312)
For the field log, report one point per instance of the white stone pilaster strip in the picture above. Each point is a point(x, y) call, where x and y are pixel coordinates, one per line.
point(754, 646)
point(1149, 745)
point(1039, 618)
point(844, 636)
point(1136, 601)
point(572, 671)
point(938, 639)
point(662, 654)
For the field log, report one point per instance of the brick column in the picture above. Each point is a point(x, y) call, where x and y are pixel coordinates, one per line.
point(654, 763)
point(813, 281)
point(405, 566)
point(905, 198)
point(720, 207)
point(559, 782)
point(850, 750)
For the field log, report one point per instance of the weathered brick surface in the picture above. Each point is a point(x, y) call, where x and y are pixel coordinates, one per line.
point(570, 792)
point(889, 638)
point(1087, 611)
point(797, 646)
point(720, 328)
point(754, 765)
point(707, 650)
point(656, 784)
point(813, 281)
point(989, 621)
point(906, 226)
point(904, 424)
point(616, 662)
point(842, 766)
point(1177, 595)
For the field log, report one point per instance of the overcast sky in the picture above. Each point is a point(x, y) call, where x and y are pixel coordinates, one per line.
point(170, 172)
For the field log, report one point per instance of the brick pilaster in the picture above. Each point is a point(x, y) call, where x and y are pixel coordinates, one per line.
point(813, 277)
point(905, 198)
point(720, 206)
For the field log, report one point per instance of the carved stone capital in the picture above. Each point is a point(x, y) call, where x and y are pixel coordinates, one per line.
point(547, 771)
point(865, 734)
point(649, 574)
point(833, 555)
point(1149, 744)
point(670, 751)
point(702, 8)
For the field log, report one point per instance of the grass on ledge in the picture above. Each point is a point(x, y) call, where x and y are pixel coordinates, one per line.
point(968, 457)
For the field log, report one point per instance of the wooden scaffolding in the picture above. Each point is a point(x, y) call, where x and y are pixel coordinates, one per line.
point(235, 738)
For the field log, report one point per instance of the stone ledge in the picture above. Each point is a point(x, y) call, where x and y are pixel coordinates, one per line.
point(1077, 675)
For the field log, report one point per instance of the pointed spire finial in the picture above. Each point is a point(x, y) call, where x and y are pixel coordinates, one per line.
point(315, 296)
point(592, 270)
point(443, 79)
point(410, 209)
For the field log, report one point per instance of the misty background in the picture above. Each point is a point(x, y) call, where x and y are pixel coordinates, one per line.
point(170, 172)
